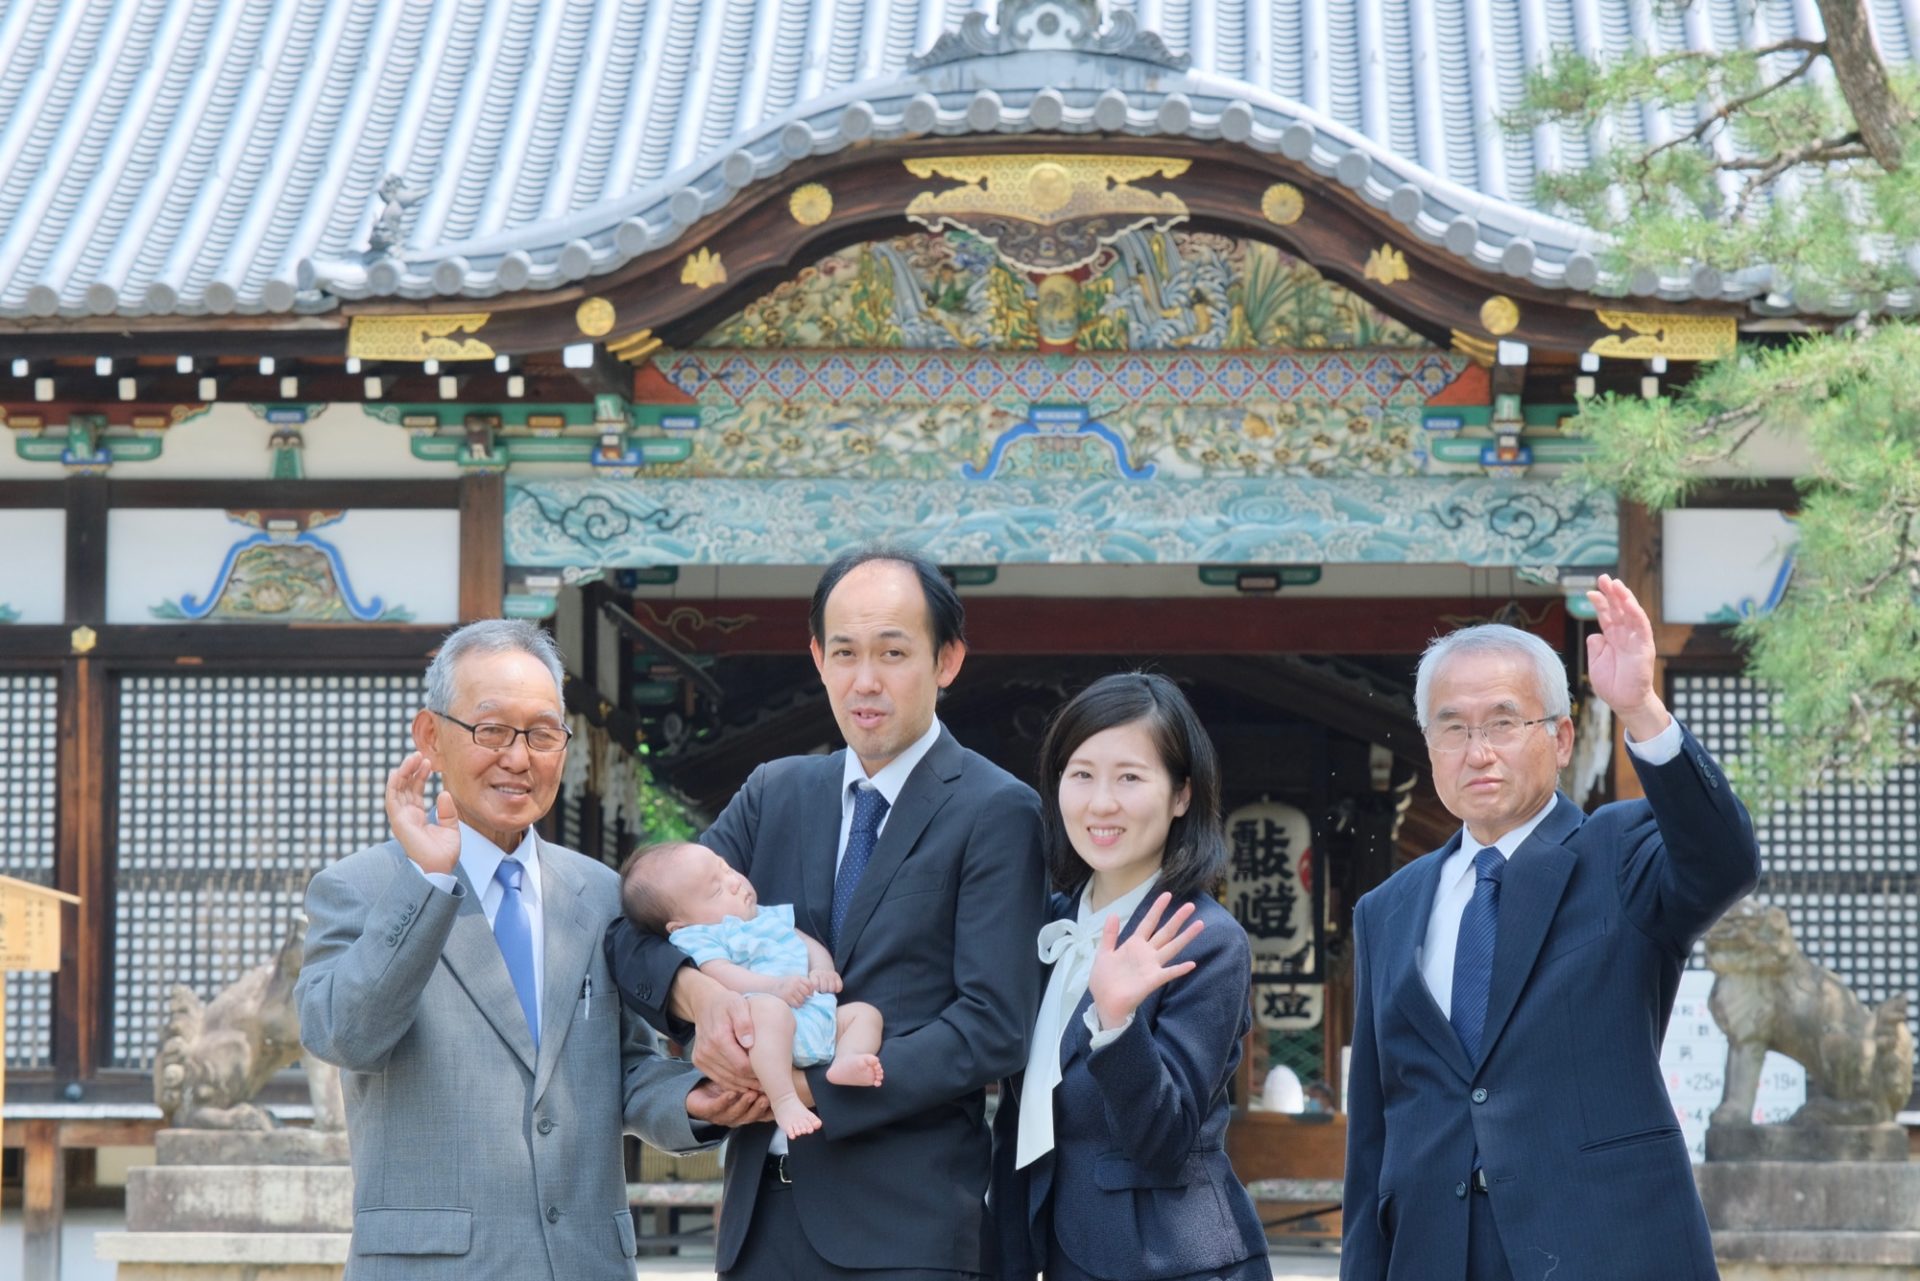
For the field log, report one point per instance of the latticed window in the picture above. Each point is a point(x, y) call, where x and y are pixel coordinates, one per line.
point(232, 791)
point(1843, 863)
point(29, 801)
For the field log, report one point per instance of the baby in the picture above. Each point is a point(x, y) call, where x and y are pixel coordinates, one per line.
point(696, 900)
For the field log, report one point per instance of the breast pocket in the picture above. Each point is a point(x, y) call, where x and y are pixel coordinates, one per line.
point(1576, 938)
point(911, 880)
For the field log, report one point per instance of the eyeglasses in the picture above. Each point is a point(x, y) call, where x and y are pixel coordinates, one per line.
point(1500, 733)
point(498, 738)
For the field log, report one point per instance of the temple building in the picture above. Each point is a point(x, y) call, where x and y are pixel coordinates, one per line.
point(1223, 337)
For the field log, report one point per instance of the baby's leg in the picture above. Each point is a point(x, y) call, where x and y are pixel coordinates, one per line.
point(772, 1059)
point(856, 1045)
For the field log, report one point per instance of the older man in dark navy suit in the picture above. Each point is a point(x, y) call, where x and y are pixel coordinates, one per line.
point(1507, 1115)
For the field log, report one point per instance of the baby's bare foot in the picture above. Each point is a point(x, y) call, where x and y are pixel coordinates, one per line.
point(795, 1117)
point(856, 1069)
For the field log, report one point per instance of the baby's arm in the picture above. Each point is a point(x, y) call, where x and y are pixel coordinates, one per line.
point(794, 991)
point(820, 969)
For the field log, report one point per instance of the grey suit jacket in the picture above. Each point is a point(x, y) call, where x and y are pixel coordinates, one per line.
point(473, 1157)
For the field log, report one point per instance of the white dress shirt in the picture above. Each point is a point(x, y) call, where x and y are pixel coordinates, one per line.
point(479, 859)
point(1457, 876)
point(887, 782)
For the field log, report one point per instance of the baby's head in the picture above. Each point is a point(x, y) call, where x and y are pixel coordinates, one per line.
point(676, 883)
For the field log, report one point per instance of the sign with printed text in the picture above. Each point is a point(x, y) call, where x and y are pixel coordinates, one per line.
point(1270, 892)
point(29, 940)
point(30, 925)
point(1693, 1059)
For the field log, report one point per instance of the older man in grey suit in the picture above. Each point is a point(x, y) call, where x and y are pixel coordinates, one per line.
point(455, 973)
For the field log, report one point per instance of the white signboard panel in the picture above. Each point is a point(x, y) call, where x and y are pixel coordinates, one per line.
point(1694, 1061)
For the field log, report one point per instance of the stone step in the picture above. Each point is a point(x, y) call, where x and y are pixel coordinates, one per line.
point(258, 1248)
point(1807, 1143)
point(1804, 1196)
point(1842, 1253)
point(239, 1198)
point(251, 1147)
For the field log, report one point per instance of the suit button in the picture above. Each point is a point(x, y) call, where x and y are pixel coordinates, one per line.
point(546, 1125)
point(1459, 1190)
point(1480, 1096)
point(553, 1211)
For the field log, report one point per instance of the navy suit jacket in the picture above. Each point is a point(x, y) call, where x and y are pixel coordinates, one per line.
point(1588, 1176)
point(1137, 1185)
point(940, 938)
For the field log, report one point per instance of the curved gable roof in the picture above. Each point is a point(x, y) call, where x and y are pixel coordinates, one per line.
point(213, 156)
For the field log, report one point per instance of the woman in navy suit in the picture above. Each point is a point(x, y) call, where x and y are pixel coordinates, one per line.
point(1110, 1157)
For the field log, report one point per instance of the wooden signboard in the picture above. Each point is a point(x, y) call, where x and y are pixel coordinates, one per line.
point(29, 940)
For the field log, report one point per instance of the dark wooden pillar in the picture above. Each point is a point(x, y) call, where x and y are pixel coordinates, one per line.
point(80, 1013)
point(43, 1197)
point(482, 545)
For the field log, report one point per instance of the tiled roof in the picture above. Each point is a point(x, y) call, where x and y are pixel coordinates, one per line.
point(216, 156)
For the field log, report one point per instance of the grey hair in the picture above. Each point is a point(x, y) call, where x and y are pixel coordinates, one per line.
point(1496, 638)
point(491, 636)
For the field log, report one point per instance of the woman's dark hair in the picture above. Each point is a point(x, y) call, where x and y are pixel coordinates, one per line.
point(946, 616)
point(1196, 854)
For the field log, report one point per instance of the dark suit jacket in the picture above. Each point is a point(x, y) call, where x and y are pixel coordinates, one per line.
point(1566, 1107)
point(1138, 1184)
point(941, 938)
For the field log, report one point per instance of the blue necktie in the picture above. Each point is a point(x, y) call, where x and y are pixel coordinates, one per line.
point(1473, 954)
point(869, 807)
point(513, 928)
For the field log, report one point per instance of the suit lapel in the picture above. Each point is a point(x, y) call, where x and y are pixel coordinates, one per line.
point(568, 946)
point(1408, 926)
point(473, 955)
point(926, 790)
point(818, 830)
point(1530, 893)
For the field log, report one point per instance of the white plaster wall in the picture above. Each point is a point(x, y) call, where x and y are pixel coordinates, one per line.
point(33, 564)
point(407, 558)
point(1714, 559)
point(229, 442)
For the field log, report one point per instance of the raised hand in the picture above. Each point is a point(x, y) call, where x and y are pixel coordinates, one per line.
point(433, 848)
point(1125, 974)
point(1620, 659)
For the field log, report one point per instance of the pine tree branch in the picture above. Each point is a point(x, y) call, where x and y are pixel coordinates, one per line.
point(1734, 106)
point(1767, 170)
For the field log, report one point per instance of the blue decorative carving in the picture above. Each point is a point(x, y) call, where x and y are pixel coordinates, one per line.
point(198, 608)
point(1275, 520)
point(1058, 421)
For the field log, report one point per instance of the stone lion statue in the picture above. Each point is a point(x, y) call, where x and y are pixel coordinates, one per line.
point(215, 1057)
point(1768, 996)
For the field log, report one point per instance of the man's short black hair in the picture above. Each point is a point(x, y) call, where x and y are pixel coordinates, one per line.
point(946, 616)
